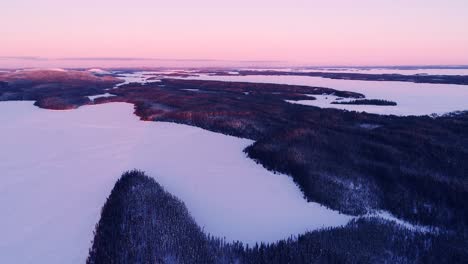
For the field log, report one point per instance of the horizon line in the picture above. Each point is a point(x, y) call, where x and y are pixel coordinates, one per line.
point(290, 63)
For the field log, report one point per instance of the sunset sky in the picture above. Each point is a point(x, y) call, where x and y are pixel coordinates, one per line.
point(316, 32)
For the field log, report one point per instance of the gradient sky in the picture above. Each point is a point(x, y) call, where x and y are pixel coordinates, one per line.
point(317, 32)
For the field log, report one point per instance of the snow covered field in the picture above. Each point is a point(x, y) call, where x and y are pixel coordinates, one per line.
point(58, 167)
point(412, 98)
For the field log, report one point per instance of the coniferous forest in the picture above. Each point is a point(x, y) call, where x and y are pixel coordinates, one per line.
point(142, 223)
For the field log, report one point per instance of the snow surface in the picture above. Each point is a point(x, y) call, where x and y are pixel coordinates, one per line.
point(92, 97)
point(412, 98)
point(99, 71)
point(390, 217)
point(427, 71)
point(144, 76)
point(58, 167)
point(43, 69)
point(394, 71)
point(324, 101)
point(191, 90)
point(137, 77)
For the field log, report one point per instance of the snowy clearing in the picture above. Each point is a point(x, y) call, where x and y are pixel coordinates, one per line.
point(137, 77)
point(404, 224)
point(92, 97)
point(191, 90)
point(58, 167)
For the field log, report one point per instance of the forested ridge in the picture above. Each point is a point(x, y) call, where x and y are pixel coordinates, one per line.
point(142, 223)
point(366, 102)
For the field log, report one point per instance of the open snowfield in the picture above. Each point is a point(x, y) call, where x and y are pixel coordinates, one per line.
point(58, 167)
point(412, 98)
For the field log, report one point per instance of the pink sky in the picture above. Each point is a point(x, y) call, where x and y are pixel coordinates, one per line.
point(316, 32)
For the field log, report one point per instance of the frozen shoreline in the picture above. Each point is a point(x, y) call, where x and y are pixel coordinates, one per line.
point(412, 98)
point(58, 168)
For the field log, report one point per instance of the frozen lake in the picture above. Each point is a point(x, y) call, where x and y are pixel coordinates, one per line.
point(58, 167)
point(412, 98)
point(412, 71)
